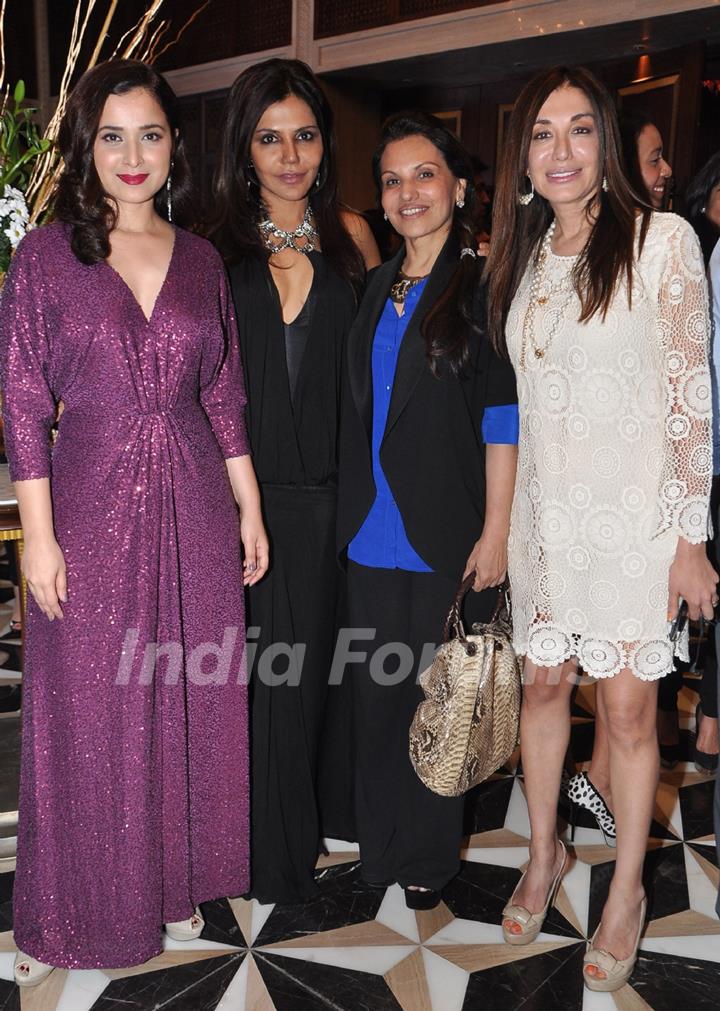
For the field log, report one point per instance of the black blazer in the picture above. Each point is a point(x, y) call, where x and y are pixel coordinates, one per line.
point(432, 452)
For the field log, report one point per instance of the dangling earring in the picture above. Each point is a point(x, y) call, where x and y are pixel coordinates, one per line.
point(317, 181)
point(168, 188)
point(605, 186)
point(526, 198)
point(385, 215)
point(460, 202)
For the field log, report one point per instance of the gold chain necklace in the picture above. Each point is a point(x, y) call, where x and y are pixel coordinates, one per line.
point(536, 299)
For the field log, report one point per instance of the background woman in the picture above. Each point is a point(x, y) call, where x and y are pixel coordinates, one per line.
point(427, 467)
point(647, 170)
point(603, 308)
point(703, 211)
point(296, 265)
point(703, 205)
point(133, 794)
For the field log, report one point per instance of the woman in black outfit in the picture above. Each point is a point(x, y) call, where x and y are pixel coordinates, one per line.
point(296, 263)
point(427, 470)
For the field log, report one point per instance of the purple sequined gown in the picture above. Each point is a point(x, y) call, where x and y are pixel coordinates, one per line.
point(134, 787)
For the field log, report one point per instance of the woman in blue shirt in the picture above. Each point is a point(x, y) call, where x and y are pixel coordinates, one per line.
point(427, 469)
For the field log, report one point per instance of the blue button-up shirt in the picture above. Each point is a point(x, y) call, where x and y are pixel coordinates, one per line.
point(382, 542)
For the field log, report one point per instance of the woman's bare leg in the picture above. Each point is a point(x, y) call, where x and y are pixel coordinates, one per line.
point(599, 769)
point(634, 767)
point(544, 737)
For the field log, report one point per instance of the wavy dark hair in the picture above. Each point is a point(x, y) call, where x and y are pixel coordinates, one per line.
point(517, 230)
point(448, 325)
point(81, 200)
point(696, 198)
point(631, 126)
point(236, 195)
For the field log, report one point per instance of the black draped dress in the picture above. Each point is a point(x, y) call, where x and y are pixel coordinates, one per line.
point(293, 377)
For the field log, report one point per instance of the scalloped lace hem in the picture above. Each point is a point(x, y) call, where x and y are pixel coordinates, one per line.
point(548, 645)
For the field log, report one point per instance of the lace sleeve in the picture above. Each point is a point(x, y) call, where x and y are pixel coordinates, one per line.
point(684, 324)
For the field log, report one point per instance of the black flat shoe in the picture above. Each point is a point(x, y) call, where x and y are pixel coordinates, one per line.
point(703, 761)
point(427, 899)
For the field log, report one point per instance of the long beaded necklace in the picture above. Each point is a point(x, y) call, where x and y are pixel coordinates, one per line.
point(536, 299)
point(276, 239)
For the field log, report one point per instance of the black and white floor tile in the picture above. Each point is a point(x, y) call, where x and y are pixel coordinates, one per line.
point(358, 949)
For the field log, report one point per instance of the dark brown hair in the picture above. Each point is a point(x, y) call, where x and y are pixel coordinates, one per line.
point(517, 230)
point(81, 200)
point(447, 326)
point(632, 125)
point(697, 197)
point(237, 206)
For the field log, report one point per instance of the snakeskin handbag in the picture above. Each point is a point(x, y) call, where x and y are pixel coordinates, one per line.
point(467, 727)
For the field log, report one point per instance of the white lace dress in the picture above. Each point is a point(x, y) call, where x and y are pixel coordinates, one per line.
point(615, 459)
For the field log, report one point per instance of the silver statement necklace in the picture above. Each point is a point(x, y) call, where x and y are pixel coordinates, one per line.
point(302, 239)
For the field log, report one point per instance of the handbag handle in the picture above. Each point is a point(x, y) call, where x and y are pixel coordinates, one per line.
point(454, 621)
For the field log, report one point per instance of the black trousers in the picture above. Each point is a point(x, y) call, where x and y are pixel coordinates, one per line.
point(406, 833)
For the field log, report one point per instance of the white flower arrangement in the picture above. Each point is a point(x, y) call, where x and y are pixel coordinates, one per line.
point(14, 216)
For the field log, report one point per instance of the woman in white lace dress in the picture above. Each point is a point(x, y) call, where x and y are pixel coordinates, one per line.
point(603, 309)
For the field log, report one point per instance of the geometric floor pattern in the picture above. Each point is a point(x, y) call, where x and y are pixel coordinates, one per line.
point(359, 949)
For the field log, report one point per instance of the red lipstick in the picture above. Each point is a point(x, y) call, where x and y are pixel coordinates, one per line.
point(134, 180)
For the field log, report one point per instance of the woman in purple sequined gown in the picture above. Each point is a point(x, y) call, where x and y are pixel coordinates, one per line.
point(134, 782)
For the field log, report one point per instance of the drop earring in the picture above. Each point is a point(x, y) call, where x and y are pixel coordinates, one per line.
point(605, 186)
point(168, 189)
point(526, 198)
point(460, 202)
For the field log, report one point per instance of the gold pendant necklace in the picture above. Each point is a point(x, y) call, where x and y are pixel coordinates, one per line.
point(536, 299)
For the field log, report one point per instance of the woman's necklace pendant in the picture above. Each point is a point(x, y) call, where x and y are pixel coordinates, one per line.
point(400, 290)
point(302, 239)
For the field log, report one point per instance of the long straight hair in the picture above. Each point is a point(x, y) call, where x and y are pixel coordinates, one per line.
point(237, 205)
point(447, 326)
point(517, 232)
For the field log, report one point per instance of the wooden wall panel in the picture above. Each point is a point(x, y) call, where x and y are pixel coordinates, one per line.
point(228, 28)
point(358, 115)
point(338, 17)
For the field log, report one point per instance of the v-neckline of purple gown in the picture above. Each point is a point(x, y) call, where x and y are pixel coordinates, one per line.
point(148, 319)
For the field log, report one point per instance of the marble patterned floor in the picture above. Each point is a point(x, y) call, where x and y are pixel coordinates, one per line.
point(359, 949)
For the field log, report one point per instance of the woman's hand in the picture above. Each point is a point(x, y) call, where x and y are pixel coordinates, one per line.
point(693, 578)
point(488, 559)
point(256, 548)
point(43, 566)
